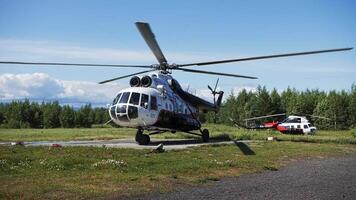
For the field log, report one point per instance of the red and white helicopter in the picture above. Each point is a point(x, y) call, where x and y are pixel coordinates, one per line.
point(156, 102)
point(293, 124)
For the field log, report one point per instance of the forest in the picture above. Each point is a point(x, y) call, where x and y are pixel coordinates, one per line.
point(338, 106)
point(26, 114)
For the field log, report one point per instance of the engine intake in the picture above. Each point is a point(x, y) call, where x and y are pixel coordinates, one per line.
point(146, 81)
point(135, 81)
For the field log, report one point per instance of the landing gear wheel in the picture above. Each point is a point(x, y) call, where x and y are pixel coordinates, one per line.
point(142, 139)
point(205, 135)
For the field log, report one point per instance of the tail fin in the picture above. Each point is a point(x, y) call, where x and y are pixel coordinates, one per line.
point(218, 102)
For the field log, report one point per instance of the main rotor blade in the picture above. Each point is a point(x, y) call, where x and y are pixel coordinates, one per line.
point(265, 116)
point(149, 37)
point(265, 57)
point(216, 85)
point(215, 73)
point(72, 64)
point(319, 117)
point(121, 77)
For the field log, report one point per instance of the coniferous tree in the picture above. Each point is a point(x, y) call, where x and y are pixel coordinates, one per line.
point(352, 106)
point(276, 102)
point(13, 115)
point(263, 102)
point(2, 113)
point(84, 116)
point(334, 106)
point(289, 100)
point(51, 113)
point(67, 117)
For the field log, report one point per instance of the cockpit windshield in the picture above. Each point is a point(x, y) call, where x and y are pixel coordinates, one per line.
point(292, 120)
point(116, 99)
point(125, 97)
point(135, 98)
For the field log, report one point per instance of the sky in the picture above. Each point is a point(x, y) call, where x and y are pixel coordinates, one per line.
point(187, 31)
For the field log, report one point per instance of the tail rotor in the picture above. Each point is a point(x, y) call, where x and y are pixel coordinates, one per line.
point(217, 102)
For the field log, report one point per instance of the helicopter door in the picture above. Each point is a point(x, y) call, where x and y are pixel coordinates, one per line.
point(144, 109)
point(153, 108)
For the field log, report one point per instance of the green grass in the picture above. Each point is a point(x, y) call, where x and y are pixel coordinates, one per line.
point(321, 136)
point(64, 134)
point(217, 131)
point(83, 172)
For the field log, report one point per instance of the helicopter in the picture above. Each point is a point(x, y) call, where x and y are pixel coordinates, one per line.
point(156, 102)
point(293, 124)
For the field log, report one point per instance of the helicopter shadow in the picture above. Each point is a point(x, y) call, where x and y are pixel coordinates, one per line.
point(192, 140)
point(186, 141)
point(175, 142)
point(245, 149)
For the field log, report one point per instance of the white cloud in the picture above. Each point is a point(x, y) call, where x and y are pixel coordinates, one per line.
point(50, 50)
point(43, 51)
point(238, 89)
point(40, 86)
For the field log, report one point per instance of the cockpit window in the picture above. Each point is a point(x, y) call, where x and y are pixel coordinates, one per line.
point(153, 103)
point(144, 99)
point(124, 97)
point(135, 98)
point(292, 120)
point(116, 99)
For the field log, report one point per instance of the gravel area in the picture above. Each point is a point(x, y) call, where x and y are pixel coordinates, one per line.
point(323, 178)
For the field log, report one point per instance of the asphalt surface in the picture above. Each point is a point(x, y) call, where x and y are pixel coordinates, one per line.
point(330, 178)
point(168, 144)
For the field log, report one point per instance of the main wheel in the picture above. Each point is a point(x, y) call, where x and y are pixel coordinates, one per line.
point(205, 135)
point(142, 139)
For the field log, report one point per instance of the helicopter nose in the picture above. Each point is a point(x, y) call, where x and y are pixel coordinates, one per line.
point(123, 112)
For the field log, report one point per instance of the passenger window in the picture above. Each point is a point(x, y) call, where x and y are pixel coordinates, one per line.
point(153, 103)
point(116, 99)
point(144, 99)
point(125, 97)
point(135, 98)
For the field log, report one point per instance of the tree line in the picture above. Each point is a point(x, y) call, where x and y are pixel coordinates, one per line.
point(26, 114)
point(338, 106)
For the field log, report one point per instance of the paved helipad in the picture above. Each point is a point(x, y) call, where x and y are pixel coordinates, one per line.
point(169, 144)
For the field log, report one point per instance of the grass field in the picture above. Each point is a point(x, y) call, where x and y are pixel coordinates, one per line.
point(83, 172)
point(216, 131)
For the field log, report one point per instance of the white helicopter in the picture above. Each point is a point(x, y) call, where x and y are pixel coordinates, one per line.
point(156, 102)
point(293, 124)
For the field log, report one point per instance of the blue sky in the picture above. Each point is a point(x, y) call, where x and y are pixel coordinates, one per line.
point(187, 31)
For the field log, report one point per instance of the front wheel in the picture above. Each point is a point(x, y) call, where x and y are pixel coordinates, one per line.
point(142, 139)
point(205, 135)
